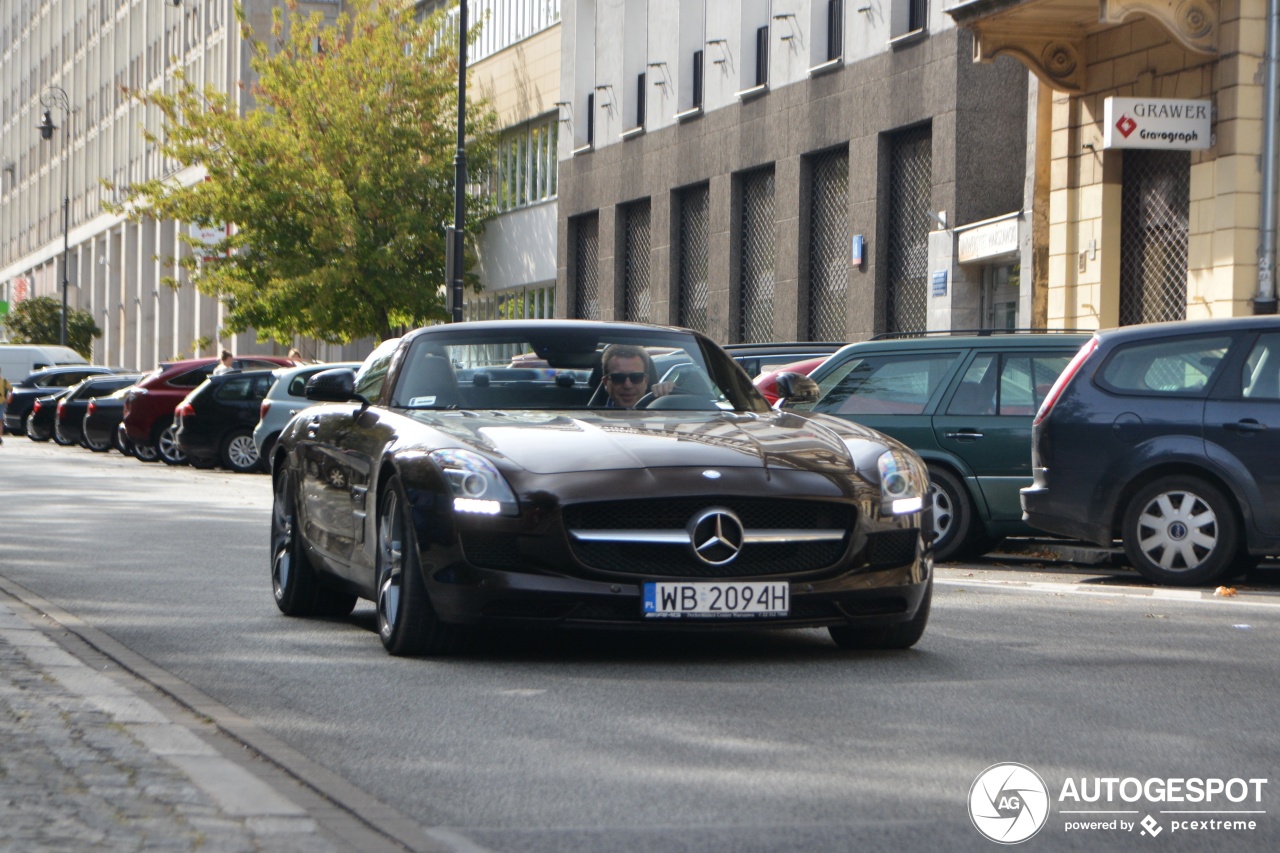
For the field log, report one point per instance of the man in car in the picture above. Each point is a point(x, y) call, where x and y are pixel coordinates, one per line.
point(628, 370)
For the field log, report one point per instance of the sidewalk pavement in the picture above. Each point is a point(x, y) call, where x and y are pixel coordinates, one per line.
point(85, 763)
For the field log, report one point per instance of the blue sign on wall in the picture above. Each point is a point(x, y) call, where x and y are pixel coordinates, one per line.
point(940, 283)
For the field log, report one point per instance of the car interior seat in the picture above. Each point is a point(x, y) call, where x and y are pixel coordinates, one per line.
point(430, 381)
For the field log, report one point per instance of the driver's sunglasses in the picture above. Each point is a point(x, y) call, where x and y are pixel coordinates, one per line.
point(619, 378)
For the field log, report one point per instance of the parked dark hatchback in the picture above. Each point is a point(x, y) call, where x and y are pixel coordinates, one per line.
point(43, 416)
point(42, 383)
point(1161, 436)
point(69, 421)
point(965, 403)
point(216, 420)
point(101, 426)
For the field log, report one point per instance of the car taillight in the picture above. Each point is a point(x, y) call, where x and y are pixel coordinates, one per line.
point(262, 412)
point(93, 407)
point(35, 407)
point(186, 410)
point(62, 407)
point(1064, 378)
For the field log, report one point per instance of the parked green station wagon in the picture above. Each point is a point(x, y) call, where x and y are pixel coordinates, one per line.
point(965, 403)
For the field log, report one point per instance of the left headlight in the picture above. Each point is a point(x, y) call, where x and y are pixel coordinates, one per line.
point(903, 483)
point(476, 484)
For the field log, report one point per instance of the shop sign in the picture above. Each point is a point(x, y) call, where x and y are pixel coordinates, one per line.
point(987, 241)
point(1165, 124)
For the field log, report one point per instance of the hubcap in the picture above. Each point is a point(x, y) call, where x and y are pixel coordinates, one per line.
point(145, 451)
point(1177, 531)
point(168, 445)
point(242, 452)
point(391, 558)
point(943, 512)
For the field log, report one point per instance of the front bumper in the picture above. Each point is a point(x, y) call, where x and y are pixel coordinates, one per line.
point(493, 597)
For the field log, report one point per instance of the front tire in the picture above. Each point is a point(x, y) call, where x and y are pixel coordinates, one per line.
point(239, 453)
point(902, 636)
point(1181, 531)
point(167, 448)
point(407, 623)
point(297, 587)
point(953, 519)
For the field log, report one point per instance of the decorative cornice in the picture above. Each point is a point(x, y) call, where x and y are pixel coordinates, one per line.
point(1057, 60)
point(1194, 23)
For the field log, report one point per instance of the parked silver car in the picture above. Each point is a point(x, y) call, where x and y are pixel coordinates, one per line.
point(286, 399)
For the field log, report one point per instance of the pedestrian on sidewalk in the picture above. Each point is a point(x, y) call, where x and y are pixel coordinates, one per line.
point(5, 387)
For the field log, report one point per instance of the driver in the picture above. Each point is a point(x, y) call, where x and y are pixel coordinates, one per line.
point(627, 369)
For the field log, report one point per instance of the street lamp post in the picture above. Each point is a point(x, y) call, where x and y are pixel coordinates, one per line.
point(454, 266)
point(55, 97)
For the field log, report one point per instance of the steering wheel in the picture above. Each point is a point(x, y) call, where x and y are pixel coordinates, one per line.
point(647, 399)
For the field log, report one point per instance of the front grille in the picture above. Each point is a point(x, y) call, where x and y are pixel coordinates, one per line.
point(895, 548)
point(678, 560)
point(675, 513)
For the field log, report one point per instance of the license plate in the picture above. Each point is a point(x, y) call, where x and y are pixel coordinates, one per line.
point(716, 599)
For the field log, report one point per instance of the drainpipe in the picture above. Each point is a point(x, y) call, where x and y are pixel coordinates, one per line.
point(1265, 301)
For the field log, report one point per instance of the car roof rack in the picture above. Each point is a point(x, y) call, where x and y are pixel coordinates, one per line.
point(981, 333)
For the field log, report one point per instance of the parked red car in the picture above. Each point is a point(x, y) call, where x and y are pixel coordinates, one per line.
point(148, 407)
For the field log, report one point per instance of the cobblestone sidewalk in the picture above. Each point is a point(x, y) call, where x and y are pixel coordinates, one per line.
point(85, 763)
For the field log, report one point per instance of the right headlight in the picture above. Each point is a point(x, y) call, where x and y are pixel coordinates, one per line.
point(904, 483)
point(477, 485)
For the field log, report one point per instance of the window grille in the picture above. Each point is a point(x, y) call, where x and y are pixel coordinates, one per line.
point(534, 302)
point(695, 209)
point(524, 168)
point(829, 245)
point(910, 182)
point(586, 253)
point(635, 271)
point(755, 295)
point(1155, 217)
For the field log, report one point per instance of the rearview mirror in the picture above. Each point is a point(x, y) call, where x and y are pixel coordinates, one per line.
point(332, 386)
point(796, 388)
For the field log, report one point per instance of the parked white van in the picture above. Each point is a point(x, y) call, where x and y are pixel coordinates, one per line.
point(19, 360)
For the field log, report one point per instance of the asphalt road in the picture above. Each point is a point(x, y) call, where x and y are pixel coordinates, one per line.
point(755, 741)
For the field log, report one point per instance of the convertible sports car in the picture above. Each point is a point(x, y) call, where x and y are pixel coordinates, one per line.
point(482, 473)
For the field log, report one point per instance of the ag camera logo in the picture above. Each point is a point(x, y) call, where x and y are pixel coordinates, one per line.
point(1008, 803)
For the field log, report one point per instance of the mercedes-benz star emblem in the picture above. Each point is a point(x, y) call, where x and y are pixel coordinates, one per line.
point(716, 536)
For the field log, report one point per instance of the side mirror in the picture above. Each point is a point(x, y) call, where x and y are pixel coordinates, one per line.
point(332, 386)
point(797, 388)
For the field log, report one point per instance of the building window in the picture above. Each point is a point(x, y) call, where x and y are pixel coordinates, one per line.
point(756, 277)
point(835, 29)
point(635, 263)
point(695, 227)
point(586, 289)
point(696, 103)
point(524, 171)
point(907, 17)
point(762, 55)
point(828, 245)
point(907, 234)
point(1155, 218)
point(517, 303)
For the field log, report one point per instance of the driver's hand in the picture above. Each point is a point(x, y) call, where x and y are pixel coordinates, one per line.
point(662, 389)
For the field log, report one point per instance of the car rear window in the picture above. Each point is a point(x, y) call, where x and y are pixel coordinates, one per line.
point(1175, 367)
point(244, 388)
point(900, 384)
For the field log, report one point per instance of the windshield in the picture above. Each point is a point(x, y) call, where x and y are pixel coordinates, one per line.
point(588, 368)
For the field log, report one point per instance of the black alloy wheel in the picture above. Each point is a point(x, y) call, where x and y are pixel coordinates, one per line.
point(407, 623)
point(1182, 531)
point(901, 636)
point(34, 431)
point(298, 589)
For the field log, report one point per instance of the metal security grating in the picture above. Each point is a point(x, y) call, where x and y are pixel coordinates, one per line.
point(635, 282)
point(910, 180)
point(695, 227)
point(1155, 216)
point(828, 245)
point(756, 284)
point(587, 285)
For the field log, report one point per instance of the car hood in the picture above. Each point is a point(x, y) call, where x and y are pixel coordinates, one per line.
point(557, 442)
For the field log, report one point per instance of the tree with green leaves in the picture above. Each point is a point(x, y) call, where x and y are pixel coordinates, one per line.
point(38, 320)
point(337, 185)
